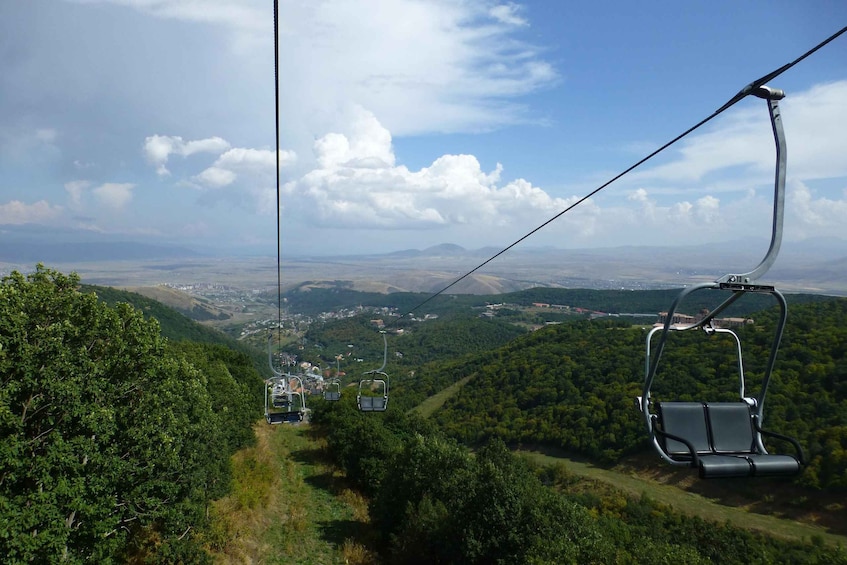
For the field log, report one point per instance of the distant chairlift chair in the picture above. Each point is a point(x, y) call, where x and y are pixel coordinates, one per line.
point(725, 439)
point(332, 391)
point(376, 381)
point(283, 404)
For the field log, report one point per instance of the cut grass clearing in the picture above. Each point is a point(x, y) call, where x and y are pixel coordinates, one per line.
point(428, 407)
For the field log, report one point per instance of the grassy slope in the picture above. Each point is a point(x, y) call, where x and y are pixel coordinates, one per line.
point(678, 497)
point(690, 503)
point(430, 405)
point(287, 506)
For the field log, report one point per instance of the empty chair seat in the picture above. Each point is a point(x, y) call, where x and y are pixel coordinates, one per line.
point(686, 420)
point(731, 426)
point(721, 440)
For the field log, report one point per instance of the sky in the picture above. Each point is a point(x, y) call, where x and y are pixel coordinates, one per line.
point(410, 123)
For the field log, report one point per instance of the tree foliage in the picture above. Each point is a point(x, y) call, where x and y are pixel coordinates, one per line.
point(573, 385)
point(109, 438)
point(434, 501)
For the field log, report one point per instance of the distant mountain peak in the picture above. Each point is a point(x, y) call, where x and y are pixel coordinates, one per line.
point(444, 249)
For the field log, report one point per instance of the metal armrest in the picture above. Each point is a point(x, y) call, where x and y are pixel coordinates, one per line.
point(800, 456)
point(695, 459)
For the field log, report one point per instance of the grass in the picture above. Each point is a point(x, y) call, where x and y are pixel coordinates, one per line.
point(429, 406)
point(690, 503)
point(289, 506)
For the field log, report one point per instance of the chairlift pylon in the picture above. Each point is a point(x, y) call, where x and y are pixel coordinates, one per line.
point(725, 439)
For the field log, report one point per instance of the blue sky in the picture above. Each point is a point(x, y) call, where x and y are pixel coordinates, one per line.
point(406, 123)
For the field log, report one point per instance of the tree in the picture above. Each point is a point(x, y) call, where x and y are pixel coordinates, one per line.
point(103, 434)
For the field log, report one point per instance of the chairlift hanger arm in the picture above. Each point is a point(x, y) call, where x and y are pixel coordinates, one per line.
point(381, 370)
point(270, 357)
point(772, 96)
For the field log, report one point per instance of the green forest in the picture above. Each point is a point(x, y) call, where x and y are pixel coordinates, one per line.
point(121, 420)
point(114, 438)
point(433, 500)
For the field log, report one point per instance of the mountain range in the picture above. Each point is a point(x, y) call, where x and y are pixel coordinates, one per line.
point(817, 266)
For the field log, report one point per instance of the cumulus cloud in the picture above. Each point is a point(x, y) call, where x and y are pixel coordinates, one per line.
point(17, 212)
point(215, 177)
point(159, 148)
point(75, 190)
point(815, 216)
point(255, 164)
point(358, 184)
point(114, 195)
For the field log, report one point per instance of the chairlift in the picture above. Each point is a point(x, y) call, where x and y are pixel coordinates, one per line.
point(373, 389)
point(725, 439)
point(283, 403)
point(333, 390)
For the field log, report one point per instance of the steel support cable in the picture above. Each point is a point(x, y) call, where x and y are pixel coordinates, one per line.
point(735, 99)
point(278, 228)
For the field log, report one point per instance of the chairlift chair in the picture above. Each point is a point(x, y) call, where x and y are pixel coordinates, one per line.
point(375, 381)
point(725, 439)
point(332, 391)
point(283, 403)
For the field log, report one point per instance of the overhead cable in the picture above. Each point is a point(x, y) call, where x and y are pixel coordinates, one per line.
point(749, 89)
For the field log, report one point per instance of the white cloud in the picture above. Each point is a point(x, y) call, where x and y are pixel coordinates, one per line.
point(75, 190)
point(508, 14)
point(457, 65)
point(215, 177)
point(743, 142)
point(255, 164)
point(244, 17)
point(366, 144)
point(357, 184)
point(254, 159)
point(114, 195)
point(815, 216)
point(17, 212)
point(815, 131)
point(159, 148)
point(708, 209)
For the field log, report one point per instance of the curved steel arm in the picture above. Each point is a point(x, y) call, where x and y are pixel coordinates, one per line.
point(772, 96)
point(270, 358)
point(384, 356)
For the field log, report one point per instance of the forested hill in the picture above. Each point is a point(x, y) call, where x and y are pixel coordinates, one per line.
point(174, 325)
point(311, 299)
point(573, 386)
